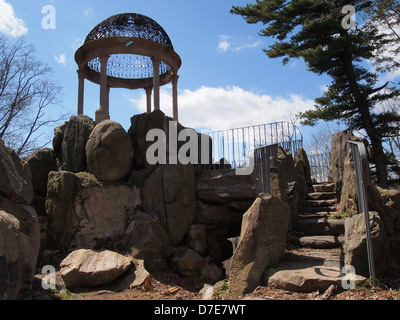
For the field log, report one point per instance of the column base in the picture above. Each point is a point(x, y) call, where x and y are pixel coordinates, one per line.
point(101, 116)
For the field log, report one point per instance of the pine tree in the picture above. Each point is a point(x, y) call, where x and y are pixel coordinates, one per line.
point(318, 32)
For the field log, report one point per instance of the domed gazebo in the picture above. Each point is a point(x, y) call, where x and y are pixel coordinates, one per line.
point(129, 51)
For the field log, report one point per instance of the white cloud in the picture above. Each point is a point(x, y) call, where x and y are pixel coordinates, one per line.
point(9, 23)
point(237, 43)
point(223, 46)
point(61, 59)
point(88, 11)
point(224, 108)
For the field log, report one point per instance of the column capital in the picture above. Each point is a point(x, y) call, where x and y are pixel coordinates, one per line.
point(174, 78)
point(155, 59)
point(104, 56)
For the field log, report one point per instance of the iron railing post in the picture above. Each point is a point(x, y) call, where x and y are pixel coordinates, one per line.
point(360, 160)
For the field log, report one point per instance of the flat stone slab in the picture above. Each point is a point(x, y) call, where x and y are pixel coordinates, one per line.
point(319, 242)
point(307, 271)
point(320, 226)
point(321, 195)
point(324, 187)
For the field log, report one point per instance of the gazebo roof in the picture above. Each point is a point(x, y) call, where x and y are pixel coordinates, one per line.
point(130, 25)
point(130, 40)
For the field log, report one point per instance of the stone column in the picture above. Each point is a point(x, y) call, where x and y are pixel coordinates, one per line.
point(156, 82)
point(148, 98)
point(81, 80)
point(103, 113)
point(175, 78)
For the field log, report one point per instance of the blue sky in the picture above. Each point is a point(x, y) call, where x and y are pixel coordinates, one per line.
point(226, 80)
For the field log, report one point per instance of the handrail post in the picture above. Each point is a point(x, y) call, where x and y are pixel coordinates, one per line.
point(360, 160)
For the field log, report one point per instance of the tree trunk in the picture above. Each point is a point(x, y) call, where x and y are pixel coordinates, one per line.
point(363, 108)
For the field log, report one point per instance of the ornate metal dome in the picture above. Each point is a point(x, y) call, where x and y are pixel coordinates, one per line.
point(130, 25)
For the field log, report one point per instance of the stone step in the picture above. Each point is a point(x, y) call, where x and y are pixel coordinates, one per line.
point(319, 226)
point(317, 209)
point(318, 242)
point(307, 271)
point(324, 187)
point(319, 214)
point(304, 203)
point(320, 196)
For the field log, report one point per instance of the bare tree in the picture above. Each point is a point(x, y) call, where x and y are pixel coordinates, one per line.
point(27, 91)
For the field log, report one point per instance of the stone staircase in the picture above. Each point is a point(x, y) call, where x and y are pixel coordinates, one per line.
point(319, 224)
point(314, 261)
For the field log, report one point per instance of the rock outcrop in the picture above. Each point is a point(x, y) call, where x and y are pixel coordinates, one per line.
point(262, 243)
point(355, 248)
point(83, 214)
point(109, 152)
point(69, 143)
point(169, 192)
point(19, 225)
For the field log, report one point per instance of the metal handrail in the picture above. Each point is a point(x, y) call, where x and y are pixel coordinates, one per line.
point(262, 166)
point(234, 146)
point(360, 160)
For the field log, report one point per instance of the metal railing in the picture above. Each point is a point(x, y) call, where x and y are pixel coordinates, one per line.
point(231, 148)
point(319, 166)
point(262, 167)
point(361, 167)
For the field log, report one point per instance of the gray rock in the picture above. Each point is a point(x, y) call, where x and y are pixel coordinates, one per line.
point(109, 151)
point(355, 249)
point(262, 243)
point(62, 189)
point(75, 135)
point(196, 238)
point(83, 214)
point(337, 161)
point(29, 235)
point(15, 177)
point(146, 239)
point(10, 264)
point(86, 268)
point(41, 163)
point(170, 193)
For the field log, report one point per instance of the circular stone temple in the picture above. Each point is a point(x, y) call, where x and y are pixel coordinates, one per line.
point(129, 51)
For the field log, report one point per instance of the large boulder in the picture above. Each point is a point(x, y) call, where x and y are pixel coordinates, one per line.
point(170, 193)
point(84, 214)
point(10, 265)
point(86, 268)
point(19, 247)
point(62, 189)
point(140, 125)
point(339, 151)
point(109, 151)
point(355, 248)
point(71, 151)
point(262, 243)
point(349, 194)
point(103, 213)
point(29, 235)
point(41, 162)
point(15, 177)
point(147, 240)
point(302, 167)
point(19, 225)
